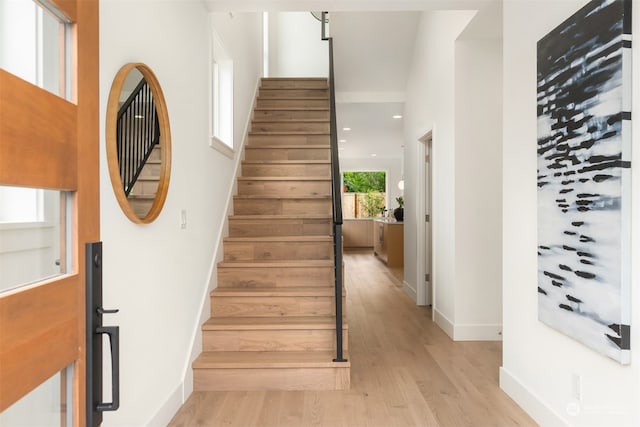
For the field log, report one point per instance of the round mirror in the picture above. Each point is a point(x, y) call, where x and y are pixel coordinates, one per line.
point(138, 142)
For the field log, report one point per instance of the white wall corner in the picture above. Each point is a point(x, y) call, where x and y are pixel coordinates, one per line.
point(212, 280)
point(444, 323)
point(529, 401)
point(410, 290)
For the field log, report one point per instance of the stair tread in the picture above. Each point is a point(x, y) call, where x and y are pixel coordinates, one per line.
point(293, 78)
point(273, 217)
point(301, 238)
point(305, 291)
point(276, 264)
point(280, 196)
point(286, 162)
point(148, 178)
point(292, 132)
point(141, 196)
point(270, 323)
point(284, 178)
point(268, 120)
point(287, 146)
point(292, 108)
point(267, 359)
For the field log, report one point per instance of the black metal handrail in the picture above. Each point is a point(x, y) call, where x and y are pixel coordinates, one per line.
point(336, 196)
point(137, 134)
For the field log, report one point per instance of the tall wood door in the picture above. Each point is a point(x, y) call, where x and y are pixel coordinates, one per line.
point(47, 141)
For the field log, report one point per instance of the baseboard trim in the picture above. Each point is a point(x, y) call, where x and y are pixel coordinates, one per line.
point(529, 401)
point(477, 332)
point(445, 324)
point(410, 291)
point(168, 409)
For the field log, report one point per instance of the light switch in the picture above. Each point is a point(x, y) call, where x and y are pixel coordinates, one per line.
point(183, 219)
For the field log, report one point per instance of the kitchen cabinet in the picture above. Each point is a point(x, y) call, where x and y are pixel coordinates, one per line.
point(388, 241)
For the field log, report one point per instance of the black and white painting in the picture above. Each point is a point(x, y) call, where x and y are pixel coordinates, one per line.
point(584, 177)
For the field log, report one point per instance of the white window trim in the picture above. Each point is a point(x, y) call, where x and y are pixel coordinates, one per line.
point(220, 58)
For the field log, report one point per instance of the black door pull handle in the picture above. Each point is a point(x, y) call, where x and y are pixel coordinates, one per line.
point(114, 340)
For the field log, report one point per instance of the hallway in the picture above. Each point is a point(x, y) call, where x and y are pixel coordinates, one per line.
point(405, 372)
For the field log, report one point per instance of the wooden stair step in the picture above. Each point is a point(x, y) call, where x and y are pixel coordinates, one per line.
point(320, 127)
point(289, 132)
point(290, 119)
point(257, 140)
point(296, 102)
point(282, 115)
point(278, 248)
point(270, 274)
point(280, 225)
point(293, 92)
point(281, 204)
point(279, 370)
point(271, 323)
point(320, 291)
point(288, 152)
point(320, 186)
point(267, 359)
point(307, 82)
point(300, 333)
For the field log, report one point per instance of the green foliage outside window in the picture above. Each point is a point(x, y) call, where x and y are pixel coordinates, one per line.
point(367, 198)
point(364, 182)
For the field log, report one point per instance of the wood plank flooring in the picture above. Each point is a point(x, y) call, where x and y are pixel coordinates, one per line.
point(404, 372)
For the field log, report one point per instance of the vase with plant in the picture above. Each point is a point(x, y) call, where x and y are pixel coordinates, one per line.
point(398, 212)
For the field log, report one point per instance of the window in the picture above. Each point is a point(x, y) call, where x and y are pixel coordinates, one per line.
point(364, 194)
point(221, 97)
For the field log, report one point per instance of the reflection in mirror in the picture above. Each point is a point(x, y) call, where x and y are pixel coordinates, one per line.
point(138, 147)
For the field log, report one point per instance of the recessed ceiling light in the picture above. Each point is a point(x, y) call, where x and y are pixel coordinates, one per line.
point(373, 154)
point(397, 116)
point(346, 129)
point(343, 140)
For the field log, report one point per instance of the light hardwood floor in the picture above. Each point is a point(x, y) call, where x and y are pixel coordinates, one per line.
point(404, 372)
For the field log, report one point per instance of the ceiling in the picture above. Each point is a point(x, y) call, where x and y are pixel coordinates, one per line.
point(373, 52)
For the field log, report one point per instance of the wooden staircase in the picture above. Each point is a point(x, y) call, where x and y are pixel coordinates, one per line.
point(144, 191)
point(272, 325)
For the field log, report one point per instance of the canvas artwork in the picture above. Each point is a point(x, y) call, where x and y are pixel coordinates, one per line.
point(584, 177)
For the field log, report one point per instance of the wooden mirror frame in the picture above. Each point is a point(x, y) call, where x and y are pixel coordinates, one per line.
point(113, 106)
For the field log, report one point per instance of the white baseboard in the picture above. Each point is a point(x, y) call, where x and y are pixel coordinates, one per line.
point(529, 401)
point(477, 332)
point(445, 324)
point(468, 332)
point(410, 291)
point(168, 410)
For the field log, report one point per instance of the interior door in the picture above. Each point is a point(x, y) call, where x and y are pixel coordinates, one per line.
point(50, 141)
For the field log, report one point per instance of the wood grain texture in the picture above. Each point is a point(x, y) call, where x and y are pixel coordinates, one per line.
point(38, 133)
point(405, 371)
point(357, 233)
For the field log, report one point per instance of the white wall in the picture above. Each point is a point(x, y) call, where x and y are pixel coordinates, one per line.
point(539, 363)
point(295, 46)
point(158, 275)
point(391, 166)
point(478, 188)
point(430, 106)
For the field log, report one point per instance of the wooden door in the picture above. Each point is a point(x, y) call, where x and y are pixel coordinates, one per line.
point(52, 143)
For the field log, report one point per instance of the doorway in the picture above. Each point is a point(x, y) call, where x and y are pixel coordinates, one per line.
point(425, 255)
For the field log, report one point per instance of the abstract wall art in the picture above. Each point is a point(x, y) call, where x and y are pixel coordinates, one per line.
point(584, 177)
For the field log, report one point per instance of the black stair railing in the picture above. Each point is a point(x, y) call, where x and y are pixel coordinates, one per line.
point(137, 134)
point(336, 196)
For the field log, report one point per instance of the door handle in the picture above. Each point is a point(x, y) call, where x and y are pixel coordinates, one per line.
point(113, 332)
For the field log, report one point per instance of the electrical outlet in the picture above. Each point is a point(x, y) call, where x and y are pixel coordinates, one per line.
point(576, 381)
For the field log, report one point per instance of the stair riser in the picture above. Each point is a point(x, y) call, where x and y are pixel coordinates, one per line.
point(259, 277)
point(275, 115)
point(155, 153)
point(293, 83)
point(292, 103)
point(282, 227)
point(272, 340)
point(140, 207)
point(293, 93)
point(271, 379)
point(255, 153)
point(281, 206)
point(290, 127)
point(258, 140)
point(261, 251)
point(142, 188)
point(290, 188)
point(150, 170)
point(261, 306)
point(286, 170)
